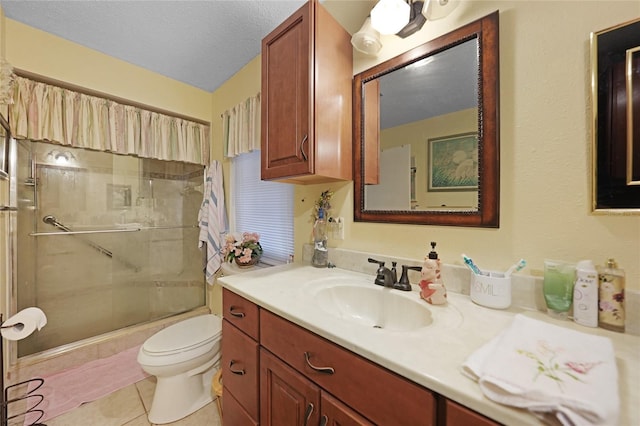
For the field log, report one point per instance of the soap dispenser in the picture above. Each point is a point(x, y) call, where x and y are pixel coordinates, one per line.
point(431, 285)
point(611, 297)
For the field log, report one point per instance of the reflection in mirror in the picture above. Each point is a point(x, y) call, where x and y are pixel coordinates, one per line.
point(426, 133)
point(615, 55)
point(428, 154)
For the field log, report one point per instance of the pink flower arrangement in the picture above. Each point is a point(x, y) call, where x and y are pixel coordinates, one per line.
point(245, 247)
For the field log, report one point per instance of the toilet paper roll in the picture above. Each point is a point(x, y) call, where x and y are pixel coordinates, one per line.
point(23, 323)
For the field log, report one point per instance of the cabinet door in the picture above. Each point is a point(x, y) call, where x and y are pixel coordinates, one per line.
point(233, 412)
point(240, 368)
point(287, 148)
point(335, 413)
point(286, 397)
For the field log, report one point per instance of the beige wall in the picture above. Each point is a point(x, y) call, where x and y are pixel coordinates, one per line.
point(36, 51)
point(245, 83)
point(42, 53)
point(545, 136)
point(545, 148)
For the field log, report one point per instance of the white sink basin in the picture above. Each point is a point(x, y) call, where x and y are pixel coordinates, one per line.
point(370, 305)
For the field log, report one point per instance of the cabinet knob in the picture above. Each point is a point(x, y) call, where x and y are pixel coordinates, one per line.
point(323, 370)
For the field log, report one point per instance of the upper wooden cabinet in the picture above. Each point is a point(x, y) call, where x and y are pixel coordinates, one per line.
point(306, 99)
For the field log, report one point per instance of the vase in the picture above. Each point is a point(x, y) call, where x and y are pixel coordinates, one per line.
point(249, 264)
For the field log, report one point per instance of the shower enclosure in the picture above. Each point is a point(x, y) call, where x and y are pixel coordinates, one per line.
point(103, 241)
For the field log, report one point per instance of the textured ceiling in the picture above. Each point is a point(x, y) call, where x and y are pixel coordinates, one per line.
point(201, 43)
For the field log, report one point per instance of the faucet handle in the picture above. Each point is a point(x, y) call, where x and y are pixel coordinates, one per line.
point(404, 284)
point(371, 260)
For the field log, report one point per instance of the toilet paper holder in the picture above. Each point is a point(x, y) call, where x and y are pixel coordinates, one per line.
point(31, 396)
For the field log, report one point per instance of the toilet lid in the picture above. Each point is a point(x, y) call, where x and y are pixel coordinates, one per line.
point(184, 335)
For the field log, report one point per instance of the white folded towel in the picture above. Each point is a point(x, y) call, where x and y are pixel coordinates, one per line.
point(549, 370)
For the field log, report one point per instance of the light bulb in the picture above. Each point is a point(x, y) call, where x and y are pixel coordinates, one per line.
point(390, 16)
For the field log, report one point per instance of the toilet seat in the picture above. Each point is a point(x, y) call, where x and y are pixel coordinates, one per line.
point(194, 334)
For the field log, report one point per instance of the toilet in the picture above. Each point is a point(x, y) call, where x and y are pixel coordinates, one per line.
point(183, 358)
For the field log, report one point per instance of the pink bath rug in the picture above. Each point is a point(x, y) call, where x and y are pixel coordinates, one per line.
point(68, 389)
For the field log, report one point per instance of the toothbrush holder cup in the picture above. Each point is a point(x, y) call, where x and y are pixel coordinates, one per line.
point(491, 289)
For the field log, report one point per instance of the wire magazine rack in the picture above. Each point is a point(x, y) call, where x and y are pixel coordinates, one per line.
point(32, 398)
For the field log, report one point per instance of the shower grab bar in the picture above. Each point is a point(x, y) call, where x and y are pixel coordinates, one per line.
point(109, 231)
point(51, 220)
point(99, 231)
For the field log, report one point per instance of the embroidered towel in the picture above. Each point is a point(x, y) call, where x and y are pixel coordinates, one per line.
point(549, 370)
point(212, 220)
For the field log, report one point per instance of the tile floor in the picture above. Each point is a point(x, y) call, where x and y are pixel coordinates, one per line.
point(128, 407)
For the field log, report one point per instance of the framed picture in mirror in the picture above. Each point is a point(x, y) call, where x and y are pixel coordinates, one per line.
point(453, 163)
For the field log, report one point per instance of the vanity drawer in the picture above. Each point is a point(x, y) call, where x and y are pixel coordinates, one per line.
point(384, 397)
point(240, 369)
point(240, 312)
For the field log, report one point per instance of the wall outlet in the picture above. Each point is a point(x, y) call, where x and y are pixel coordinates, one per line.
point(340, 228)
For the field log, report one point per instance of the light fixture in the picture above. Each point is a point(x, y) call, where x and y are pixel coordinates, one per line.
point(416, 19)
point(438, 9)
point(367, 39)
point(390, 16)
point(61, 157)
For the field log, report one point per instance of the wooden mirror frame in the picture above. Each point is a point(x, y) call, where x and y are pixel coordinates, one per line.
point(486, 30)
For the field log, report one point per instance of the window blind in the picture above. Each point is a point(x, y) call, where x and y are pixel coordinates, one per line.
point(263, 207)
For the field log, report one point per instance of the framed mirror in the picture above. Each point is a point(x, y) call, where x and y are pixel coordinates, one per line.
point(426, 132)
point(615, 84)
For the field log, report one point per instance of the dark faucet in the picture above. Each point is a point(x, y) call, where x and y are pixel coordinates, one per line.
point(384, 276)
point(404, 284)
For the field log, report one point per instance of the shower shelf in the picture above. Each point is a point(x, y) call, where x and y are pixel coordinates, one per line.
point(5, 401)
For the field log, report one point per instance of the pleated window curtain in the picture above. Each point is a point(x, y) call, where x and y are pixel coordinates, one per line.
point(241, 127)
point(44, 112)
point(258, 206)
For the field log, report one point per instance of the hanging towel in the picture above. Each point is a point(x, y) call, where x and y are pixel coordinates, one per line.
point(212, 220)
point(549, 370)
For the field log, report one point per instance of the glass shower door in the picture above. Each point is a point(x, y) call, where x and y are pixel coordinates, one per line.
point(108, 241)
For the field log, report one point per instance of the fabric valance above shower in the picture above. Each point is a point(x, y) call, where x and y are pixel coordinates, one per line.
point(45, 112)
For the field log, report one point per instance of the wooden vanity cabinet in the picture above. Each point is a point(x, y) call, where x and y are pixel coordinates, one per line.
point(240, 360)
point(277, 373)
point(306, 99)
point(288, 398)
point(381, 396)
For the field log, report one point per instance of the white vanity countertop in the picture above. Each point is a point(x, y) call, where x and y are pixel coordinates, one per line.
point(431, 356)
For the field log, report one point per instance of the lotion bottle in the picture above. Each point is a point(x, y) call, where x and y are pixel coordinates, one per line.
point(585, 294)
point(611, 295)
